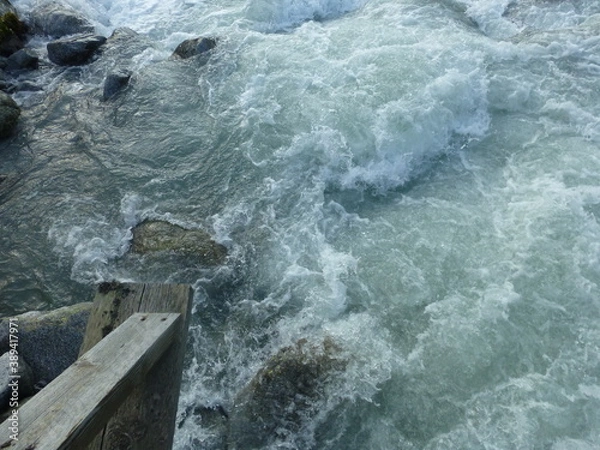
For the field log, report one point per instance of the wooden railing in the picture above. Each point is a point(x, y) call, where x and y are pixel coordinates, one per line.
point(122, 392)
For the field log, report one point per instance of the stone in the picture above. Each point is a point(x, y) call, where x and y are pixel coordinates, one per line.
point(12, 29)
point(114, 82)
point(14, 371)
point(160, 236)
point(56, 20)
point(282, 394)
point(74, 51)
point(48, 341)
point(9, 115)
point(194, 47)
point(24, 59)
point(125, 43)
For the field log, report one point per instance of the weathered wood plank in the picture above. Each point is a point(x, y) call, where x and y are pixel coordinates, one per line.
point(146, 421)
point(70, 411)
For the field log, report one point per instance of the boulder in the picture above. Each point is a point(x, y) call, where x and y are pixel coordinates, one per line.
point(14, 371)
point(9, 115)
point(282, 394)
point(12, 30)
point(114, 82)
point(74, 51)
point(56, 20)
point(159, 236)
point(48, 341)
point(194, 47)
point(24, 59)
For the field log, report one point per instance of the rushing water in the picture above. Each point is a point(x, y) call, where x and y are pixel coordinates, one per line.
point(417, 180)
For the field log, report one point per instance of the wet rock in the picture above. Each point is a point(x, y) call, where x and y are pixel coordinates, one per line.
point(125, 43)
point(9, 115)
point(56, 20)
point(14, 369)
point(282, 394)
point(114, 82)
point(159, 236)
point(49, 341)
point(24, 59)
point(4, 81)
point(194, 47)
point(12, 30)
point(74, 51)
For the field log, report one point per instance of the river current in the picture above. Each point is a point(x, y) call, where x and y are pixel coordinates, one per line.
point(416, 180)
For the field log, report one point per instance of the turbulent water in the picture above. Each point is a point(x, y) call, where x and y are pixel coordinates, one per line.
point(416, 180)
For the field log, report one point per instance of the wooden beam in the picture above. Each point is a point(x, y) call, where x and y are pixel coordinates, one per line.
point(146, 421)
point(69, 412)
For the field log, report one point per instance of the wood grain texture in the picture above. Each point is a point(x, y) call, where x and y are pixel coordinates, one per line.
point(70, 411)
point(146, 421)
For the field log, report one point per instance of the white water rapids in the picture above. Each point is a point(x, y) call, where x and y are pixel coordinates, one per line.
point(417, 180)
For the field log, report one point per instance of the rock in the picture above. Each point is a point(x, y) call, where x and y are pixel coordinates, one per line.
point(194, 47)
point(4, 82)
point(125, 43)
point(74, 51)
point(114, 82)
point(24, 59)
point(12, 30)
point(282, 394)
point(160, 236)
point(56, 20)
point(9, 115)
point(49, 341)
point(14, 372)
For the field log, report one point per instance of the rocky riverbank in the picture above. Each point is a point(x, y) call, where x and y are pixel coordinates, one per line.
point(53, 93)
point(72, 42)
point(43, 56)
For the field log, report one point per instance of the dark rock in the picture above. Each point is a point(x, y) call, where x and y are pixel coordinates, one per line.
point(282, 394)
point(12, 30)
point(114, 82)
point(24, 59)
point(14, 369)
point(56, 20)
point(159, 236)
point(49, 341)
point(9, 115)
point(74, 51)
point(194, 47)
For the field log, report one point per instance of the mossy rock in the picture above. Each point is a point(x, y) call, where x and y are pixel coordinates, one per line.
point(153, 236)
point(12, 31)
point(283, 393)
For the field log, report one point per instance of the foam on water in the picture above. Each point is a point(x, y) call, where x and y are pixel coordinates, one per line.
point(418, 183)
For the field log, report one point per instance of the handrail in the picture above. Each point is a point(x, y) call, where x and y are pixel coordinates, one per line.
point(75, 406)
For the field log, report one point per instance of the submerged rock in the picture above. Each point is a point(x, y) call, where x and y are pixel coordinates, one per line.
point(194, 47)
point(74, 51)
point(9, 115)
point(49, 341)
point(24, 59)
point(159, 236)
point(114, 82)
point(56, 20)
point(12, 30)
point(123, 44)
point(282, 394)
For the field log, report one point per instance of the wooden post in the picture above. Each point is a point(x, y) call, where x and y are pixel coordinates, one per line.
point(70, 411)
point(146, 421)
